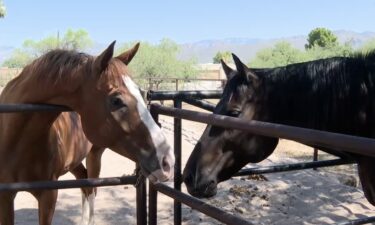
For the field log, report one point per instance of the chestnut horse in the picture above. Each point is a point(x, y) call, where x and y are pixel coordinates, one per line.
point(335, 94)
point(109, 112)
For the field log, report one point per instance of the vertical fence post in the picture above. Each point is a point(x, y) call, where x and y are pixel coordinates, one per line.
point(152, 192)
point(152, 205)
point(141, 199)
point(176, 84)
point(315, 156)
point(177, 173)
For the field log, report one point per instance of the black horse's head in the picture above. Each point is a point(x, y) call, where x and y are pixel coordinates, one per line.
point(221, 152)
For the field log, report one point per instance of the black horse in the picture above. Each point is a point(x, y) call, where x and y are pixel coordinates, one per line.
point(335, 94)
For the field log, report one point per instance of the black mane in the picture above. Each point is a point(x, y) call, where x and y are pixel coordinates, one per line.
point(329, 94)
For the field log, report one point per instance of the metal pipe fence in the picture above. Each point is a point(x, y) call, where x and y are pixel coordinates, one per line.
point(181, 95)
point(339, 142)
point(293, 166)
point(201, 206)
point(332, 142)
point(66, 184)
point(13, 108)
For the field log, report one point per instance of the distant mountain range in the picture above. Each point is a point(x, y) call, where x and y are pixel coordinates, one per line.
point(245, 48)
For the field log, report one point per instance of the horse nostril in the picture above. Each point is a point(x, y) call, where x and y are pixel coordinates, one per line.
point(165, 165)
point(211, 183)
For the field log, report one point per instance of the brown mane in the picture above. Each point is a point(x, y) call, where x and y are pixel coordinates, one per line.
point(62, 66)
point(59, 64)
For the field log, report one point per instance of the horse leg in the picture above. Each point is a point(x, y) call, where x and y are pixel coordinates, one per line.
point(93, 161)
point(46, 204)
point(93, 164)
point(80, 172)
point(7, 208)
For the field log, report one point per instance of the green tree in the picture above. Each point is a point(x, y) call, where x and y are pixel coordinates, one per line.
point(225, 56)
point(76, 40)
point(321, 37)
point(18, 59)
point(368, 46)
point(31, 49)
point(2, 9)
point(158, 61)
point(318, 52)
point(281, 54)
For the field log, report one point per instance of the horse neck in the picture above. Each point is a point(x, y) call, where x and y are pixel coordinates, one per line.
point(320, 95)
point(290, 93)
point(29, 88)
point(41, 87)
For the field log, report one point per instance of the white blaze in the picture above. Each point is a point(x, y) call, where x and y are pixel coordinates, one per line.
point(157, 136)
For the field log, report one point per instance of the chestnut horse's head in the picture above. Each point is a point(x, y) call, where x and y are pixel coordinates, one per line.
point(221, 152)
point(114, 115)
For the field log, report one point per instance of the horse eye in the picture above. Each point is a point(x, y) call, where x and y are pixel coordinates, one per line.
point(117, 102)
point(234, 113)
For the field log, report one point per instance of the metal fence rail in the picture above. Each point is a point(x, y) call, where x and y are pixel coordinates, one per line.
point(359, 221)
point(180, 95)
point(201, 206)
point(12, 108)
point(340, 142)
point(66, 184)
point(293, 166)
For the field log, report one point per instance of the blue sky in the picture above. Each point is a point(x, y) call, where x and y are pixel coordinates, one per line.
point(181, 21)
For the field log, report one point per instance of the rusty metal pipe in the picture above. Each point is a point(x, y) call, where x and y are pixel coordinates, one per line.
point(11, 108)
point(172, 95)
point(293, 166)
point(200, 104)
point(66, 184)
point(340, 142)
point(201, 206)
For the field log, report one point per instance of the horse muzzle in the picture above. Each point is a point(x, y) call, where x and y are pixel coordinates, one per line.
point(165, 171)
point(200, 189)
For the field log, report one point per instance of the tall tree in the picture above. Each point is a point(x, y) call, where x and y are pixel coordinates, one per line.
point(2, 9)
point(158, 61)
point(225, 56)
point(321, 37)
point(318, 52)
point(31, 49)
point(281, 54)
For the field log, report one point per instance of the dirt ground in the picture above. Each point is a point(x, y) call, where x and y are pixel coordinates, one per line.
point(299, 197)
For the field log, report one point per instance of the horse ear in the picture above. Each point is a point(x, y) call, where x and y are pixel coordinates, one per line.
point(127, 56)
point(101, 62)
point(227, 70)
point(244, 70)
